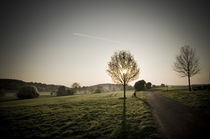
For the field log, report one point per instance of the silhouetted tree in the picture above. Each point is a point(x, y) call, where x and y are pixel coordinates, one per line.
point(148, 85)
point(139, 85)
point(187, 64)
point(162, 85)
point(123, 68)
point(76, 85)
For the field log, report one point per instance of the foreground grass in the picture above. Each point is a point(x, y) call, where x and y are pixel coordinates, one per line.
point(80, 116)
point(196, 99)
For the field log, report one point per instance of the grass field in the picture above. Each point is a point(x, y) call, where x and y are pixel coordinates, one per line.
point(102, 115)
point(196, 99)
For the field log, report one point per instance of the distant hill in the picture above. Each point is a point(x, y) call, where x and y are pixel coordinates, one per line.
point(13, 84)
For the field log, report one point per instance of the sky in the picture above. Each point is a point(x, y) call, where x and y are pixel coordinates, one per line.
point(62, 42)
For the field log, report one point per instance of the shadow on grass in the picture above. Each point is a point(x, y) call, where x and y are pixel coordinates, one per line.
point(7, 100)
point(124, 124)
point(143, 100)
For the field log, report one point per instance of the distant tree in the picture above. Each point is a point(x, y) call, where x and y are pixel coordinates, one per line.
point(61, 91)
point(148, 85)
point(76, 85)
point(187, 64)
point(123, 68)
point(162, 85)
point(139, 85)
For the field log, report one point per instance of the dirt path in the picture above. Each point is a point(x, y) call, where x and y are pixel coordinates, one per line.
point(177, 121)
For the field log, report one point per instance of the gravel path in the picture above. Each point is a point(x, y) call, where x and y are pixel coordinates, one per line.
point(177, 121)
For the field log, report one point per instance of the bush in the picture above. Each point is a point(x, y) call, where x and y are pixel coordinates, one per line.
point(63, 92)
point(26, 92)
point(140, 85)
point(98, 90)
point(148, 85)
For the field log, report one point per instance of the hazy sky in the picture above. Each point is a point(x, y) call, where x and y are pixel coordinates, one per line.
point(61, 42)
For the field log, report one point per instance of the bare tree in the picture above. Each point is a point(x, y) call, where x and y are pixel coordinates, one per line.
point(187, 64)
point(123, 68)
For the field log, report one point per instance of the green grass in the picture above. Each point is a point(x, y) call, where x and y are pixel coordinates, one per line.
point(80, 116)
point(196, 99)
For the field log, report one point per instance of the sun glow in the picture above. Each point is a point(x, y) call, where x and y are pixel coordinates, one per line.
point(124, 71)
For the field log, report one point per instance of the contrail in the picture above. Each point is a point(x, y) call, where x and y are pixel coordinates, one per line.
point(94, 37)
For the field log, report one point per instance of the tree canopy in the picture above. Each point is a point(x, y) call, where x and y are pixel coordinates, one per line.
point(187, 64)
point(123, 61)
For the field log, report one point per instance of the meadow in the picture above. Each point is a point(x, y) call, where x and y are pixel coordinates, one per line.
point(104, 115)
point(199, 99)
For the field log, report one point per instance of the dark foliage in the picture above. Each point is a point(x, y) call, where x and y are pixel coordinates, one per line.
point(140, 85)
point(27, 92)
point(12, 84)
point(76, 85)
point(148, 85)
point(201, 87)
point(62, 91)
point(162, 85)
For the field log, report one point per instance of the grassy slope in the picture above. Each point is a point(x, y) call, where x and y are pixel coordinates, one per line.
point(195, 99)
point(80, 116)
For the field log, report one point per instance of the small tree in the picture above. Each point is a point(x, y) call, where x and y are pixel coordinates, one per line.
point(148, 85)
point(187, 64)
point(123, 68)
point(162, 85)
point(76, 85)
point(139, 85)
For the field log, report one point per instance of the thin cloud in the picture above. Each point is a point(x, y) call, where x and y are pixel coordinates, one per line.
point(95, 37)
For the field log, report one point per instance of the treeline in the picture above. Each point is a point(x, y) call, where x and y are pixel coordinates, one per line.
point(12, 84)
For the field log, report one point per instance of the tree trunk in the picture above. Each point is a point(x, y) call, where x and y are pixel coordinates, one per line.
point(124, 91)
point(189, 83)
point(124, 86)
point(134, 94)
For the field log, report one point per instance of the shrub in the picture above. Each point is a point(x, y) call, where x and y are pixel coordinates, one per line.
point(26, 92)
point(98, 90)
point(140, 85)
point(63, 92)
point(148, 85)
